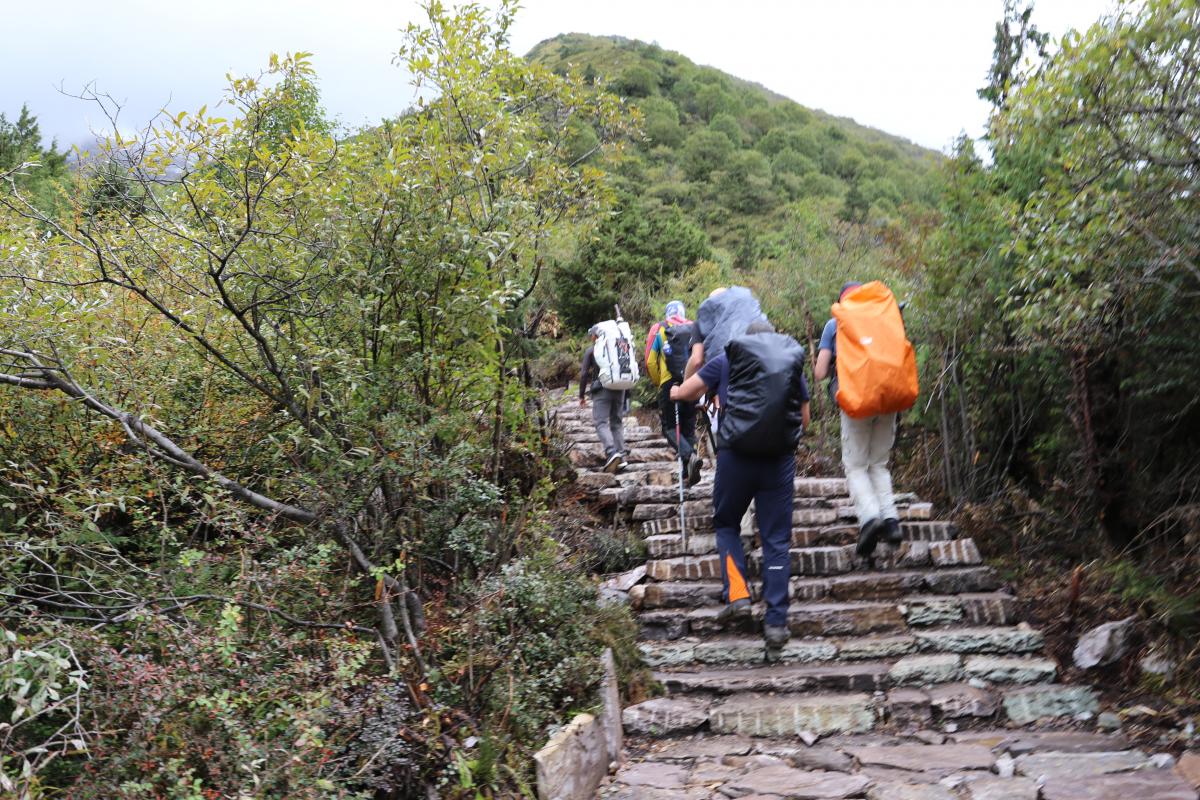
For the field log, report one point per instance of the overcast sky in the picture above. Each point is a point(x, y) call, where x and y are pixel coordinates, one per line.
point(910, 67)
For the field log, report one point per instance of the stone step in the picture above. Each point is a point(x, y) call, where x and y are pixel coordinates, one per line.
point(873, 585)
point(838, 619)
point(735, 649)
point(586, 435)
point(824, 712)
point(589, 455)
point(703, 542)
point(668, 480)
point(860, 676)
point(801, 516)
point(807, 619)
point(773, 715)
point(816, 561)
point(863, 676)
point(696, 523)
point(805, 561)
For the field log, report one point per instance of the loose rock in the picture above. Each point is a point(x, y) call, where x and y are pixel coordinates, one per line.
point(1103, 644)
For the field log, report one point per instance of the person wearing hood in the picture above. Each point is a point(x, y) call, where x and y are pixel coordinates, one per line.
point(760, 381)
point(666, 356)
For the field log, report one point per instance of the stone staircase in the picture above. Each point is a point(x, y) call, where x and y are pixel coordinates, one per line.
point(909, 679)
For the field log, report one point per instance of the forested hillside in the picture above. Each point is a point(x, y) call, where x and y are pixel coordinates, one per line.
point(725, 160)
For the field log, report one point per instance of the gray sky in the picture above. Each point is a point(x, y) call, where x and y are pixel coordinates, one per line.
point(910, 67)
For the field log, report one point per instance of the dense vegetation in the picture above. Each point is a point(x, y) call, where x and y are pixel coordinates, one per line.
point(1060, 301)
point(274, 470)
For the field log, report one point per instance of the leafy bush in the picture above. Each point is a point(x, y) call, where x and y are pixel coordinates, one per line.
point(633, 246)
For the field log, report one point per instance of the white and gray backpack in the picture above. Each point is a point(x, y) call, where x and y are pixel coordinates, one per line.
point(614, 354)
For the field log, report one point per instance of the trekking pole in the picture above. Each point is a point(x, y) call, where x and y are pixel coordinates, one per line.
point(682, 468)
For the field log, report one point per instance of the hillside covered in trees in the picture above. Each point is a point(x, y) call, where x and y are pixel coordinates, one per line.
point(722, 170)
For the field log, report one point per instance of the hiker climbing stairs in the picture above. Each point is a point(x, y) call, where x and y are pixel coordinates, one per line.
point(911, 678)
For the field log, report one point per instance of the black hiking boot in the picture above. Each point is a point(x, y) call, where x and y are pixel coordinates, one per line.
point(891, 532)
point(613, 464)
point(736, 612)
point(775, 637)
point(868, 535)
point(693, 470)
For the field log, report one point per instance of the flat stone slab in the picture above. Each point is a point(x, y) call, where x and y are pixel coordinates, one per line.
point(1019, 639)
point(955, 553)
point(954, 700)
point(659, 776)
point(989, 608)
point(834, 619)
point(875, 647)
point(1020, 742)
point(731, 650)
point(1159, 784)
point(1079, 765)
point(713, 773)
point(926, 757)
point(962, 579)
point(789, 782)
point(1010, 669)
point(891, 790)
point(1032, 703)
point(623, 792)
point(875, 585)
point(766, 715)
point(700, 747)
point(908, 706)
point(993, 788)
point(931, 609)
point(922, 669)
point(855, 677)
point(1189, 768)
point(677, 595)
point(665, 715)
point(751, 650)
point(818, 757)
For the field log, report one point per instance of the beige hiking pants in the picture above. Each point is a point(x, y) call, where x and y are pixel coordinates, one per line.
point(866, 447)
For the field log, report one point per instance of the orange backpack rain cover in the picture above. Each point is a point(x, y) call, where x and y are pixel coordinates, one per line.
point(876, 364)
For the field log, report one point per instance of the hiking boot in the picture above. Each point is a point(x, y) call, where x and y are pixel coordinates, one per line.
point(622, 463)
point(891, 532)
point(867, 537)
point(775, 637)
point(737, 611)
point(613, 464)
point(693, 469)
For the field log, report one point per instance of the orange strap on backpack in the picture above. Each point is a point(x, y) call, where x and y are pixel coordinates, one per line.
point(876, 364)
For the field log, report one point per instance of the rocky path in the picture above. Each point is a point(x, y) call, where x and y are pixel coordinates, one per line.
point(913, 680)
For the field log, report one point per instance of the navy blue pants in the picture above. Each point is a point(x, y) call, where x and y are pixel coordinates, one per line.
point(769, 483)
point(687, 421)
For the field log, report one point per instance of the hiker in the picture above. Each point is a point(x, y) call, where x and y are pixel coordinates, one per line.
point(759, 379)
point(666, 354)
point(726, 312)
point(882, 379)
point(609, 370)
